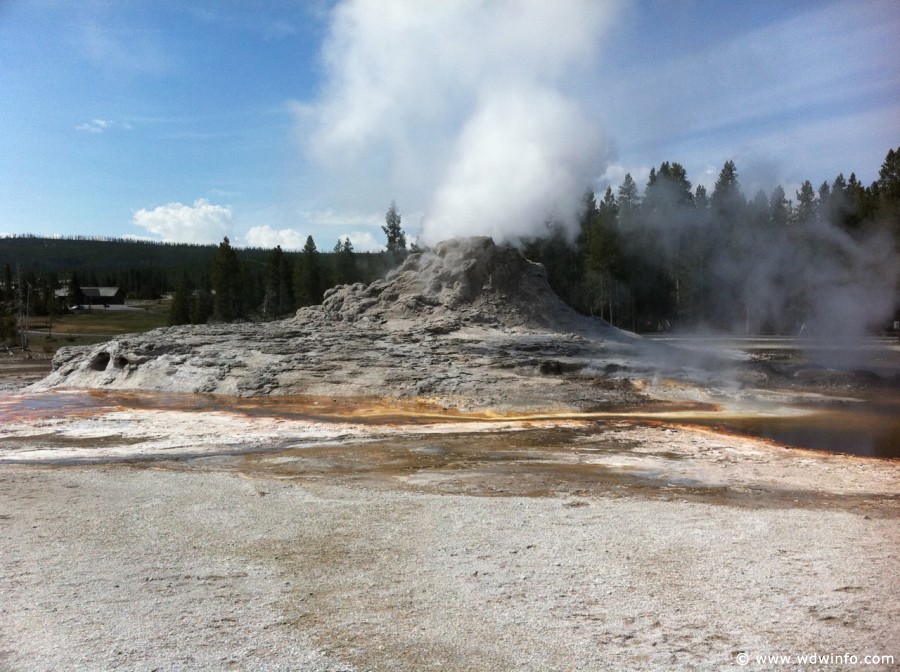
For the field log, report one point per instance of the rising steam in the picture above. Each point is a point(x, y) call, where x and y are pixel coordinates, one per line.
point(523, 155)
point(739, 270)
point(463, 110)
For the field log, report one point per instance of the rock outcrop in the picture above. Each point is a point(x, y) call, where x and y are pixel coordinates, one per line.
point(469, 323)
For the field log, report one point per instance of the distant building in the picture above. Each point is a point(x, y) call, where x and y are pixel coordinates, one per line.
point(97, 296)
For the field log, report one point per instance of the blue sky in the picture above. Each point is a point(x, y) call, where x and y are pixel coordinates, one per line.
point(271, 121)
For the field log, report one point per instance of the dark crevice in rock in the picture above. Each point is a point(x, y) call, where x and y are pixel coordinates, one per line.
point(100, 361)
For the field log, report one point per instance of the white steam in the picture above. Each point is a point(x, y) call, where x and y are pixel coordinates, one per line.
point(524, 155)
point(464, 110)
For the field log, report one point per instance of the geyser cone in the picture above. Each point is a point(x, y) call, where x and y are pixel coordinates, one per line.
point(460, 281)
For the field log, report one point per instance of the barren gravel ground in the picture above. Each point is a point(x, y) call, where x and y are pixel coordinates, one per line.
point(123, 568)
point(552, 545)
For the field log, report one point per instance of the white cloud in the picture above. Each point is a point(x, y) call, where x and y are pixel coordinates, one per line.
point(414, 101)
point(291, 239)
point(202, 222)
point(363, 241)
point(868, 134)
point(326, 227)
point(101, 125)
point(266, 236)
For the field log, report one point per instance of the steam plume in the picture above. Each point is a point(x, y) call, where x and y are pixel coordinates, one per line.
point(463, 110)
point(739, 269)
point(522, 155)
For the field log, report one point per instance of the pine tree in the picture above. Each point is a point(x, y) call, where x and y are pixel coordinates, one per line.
point(226, 282)
point(202, 307)
point(889, 176)
point(668, 188)
point(345, 265)
point(758, 212)
point(180, 310)
point(629, 203)
point(396, 238)
point(7, 324)
point(310, 276)
point(278, 295)
point(701, 198)
point(779, 209)
point(805, 212)
point(9, 291)
point(75, 296)
point(727, 201)
point(855, 203)
point(889, 193)
point(602, 257)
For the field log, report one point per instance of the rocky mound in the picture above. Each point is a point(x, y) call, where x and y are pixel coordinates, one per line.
point(460, 281)
point(471, 323)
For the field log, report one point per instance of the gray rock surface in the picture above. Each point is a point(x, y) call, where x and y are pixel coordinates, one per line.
point(467, 324)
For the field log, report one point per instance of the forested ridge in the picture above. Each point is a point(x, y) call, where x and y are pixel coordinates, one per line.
point(663, 256)
point(144, 269)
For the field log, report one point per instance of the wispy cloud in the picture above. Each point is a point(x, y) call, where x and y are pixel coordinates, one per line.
point(127, 49)
point(102, 125)
point(265, 24)
point(278, 30)
point(342, 219)
point(820, 65)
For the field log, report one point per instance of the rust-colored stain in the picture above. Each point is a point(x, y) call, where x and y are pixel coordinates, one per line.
point(365, 410)
point(869, 428)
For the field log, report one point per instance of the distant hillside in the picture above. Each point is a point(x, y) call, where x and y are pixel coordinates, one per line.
point(84, 255)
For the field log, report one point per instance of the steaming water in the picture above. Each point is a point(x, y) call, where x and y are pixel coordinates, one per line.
point(869, 427)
